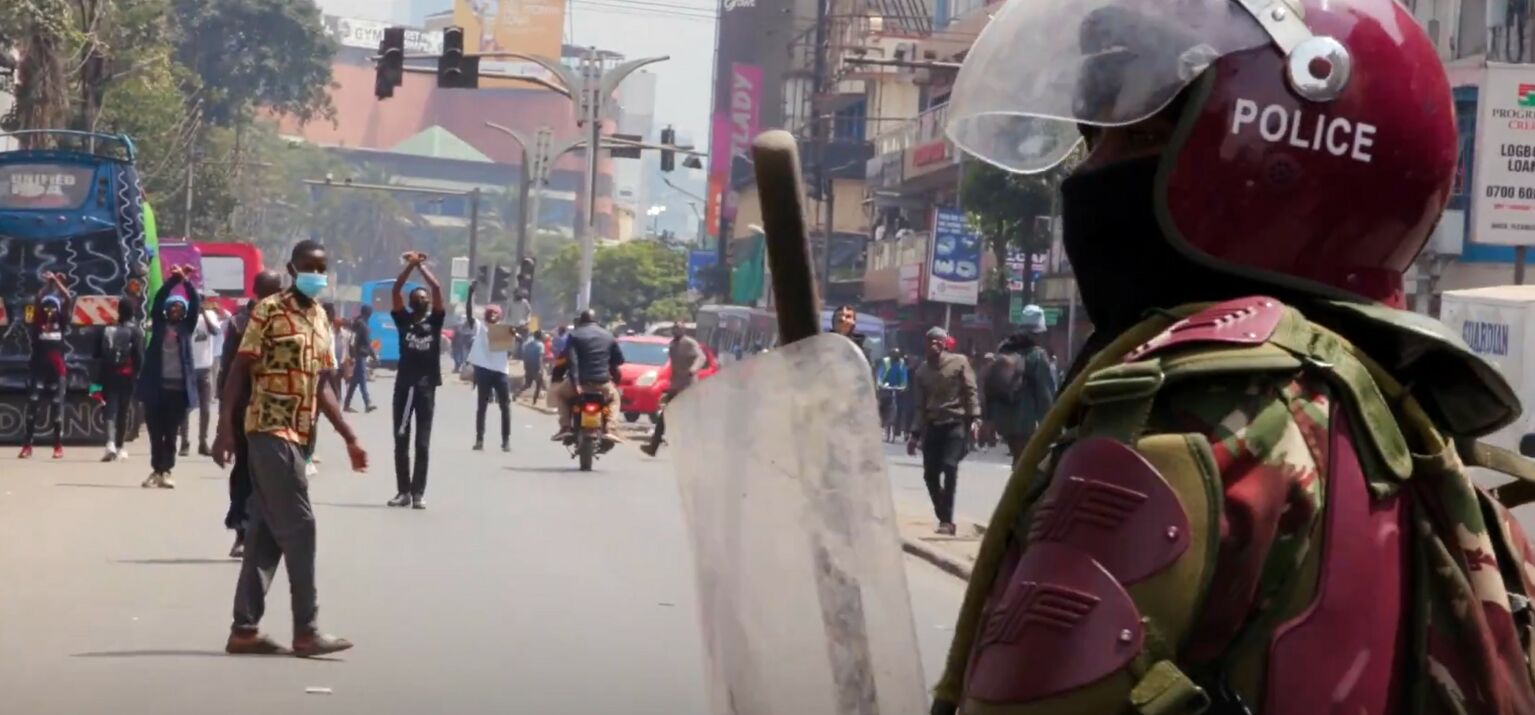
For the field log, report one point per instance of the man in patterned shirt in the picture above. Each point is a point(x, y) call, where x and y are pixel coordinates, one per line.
point(285, 361)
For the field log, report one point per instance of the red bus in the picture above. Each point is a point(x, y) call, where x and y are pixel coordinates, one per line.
point(229, 272)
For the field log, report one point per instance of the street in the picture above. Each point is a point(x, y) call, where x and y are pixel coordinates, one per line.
point(526, 586)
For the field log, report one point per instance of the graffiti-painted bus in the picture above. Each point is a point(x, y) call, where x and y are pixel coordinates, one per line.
point(70, 203)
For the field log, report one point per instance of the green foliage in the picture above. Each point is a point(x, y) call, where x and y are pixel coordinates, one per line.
point(639, 281)
point(256, 53)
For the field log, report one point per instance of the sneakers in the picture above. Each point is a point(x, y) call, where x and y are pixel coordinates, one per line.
point(153, 481)
point(202, 450)
point(370, 408)
point(122, 454)
point(110, 455)
point(479, 445)
point(649, 449)
point(309, 645)
point(946, 529)
point(506, 447)
point(349, 409)
point(253, 643)
point(26, 452)
point(418, 502)
point(186, 450)
point(166, 482)
point(400, 500)
point(58, 451)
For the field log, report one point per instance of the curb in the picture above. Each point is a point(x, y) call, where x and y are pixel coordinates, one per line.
point(536, 408)
point(949, 564)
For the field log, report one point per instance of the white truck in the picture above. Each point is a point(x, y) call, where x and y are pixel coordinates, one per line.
point(1498, 323)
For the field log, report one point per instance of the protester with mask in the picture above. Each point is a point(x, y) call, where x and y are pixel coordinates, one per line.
point(1019, 387)
point(119, 357)
point(281, 372)
point(1260, 467)
point(168, 383)
point(46, 371)
point(208, 332)
point(947, 405)
point(362, 352)
point(686, 357)
point(491, 377)
point(590, 362)
point(266, 285)
point(416, 382)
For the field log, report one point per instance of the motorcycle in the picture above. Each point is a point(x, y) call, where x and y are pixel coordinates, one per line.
point(590, 437)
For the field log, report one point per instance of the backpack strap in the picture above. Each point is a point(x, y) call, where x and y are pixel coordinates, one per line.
point(1519, 492)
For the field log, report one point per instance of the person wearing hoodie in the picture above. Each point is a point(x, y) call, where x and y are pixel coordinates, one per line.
point(167, 384)
point(119, 357)
point(46, 329)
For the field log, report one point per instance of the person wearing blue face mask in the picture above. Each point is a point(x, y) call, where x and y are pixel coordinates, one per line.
point(168, 385)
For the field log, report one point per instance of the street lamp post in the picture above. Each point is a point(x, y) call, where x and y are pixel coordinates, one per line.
point(654, 212)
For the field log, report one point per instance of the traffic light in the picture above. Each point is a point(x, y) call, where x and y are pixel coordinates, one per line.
point(482, 276)
point(525, 277)
point(668, 157)
point(500, 284)
point(391, 63)
point(456, 70)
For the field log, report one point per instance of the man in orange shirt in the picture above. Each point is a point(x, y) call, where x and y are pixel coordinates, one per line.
point(285, 361)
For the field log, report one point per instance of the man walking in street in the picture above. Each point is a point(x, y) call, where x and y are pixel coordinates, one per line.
point(419, 376)
point(119, 356)
point(209, 328)
point(1019, 386)
point(533, 366)
point(267, 283)
point(490, 373)
point(944, 424)
point(686, 358)
point(281, 371)
point(362, 352)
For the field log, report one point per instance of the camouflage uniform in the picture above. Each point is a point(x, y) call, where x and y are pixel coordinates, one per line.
point(1278, 421)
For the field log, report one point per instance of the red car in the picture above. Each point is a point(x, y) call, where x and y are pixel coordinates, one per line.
point(647, 373)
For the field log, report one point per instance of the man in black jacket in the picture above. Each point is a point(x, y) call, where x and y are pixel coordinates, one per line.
point(119, 356)
point(267, 283)
point(592, 355)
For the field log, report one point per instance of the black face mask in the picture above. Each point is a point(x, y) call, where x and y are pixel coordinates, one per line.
point(1125, 266)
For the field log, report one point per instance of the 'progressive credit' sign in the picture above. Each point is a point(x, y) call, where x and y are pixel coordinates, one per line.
point(1504, 198)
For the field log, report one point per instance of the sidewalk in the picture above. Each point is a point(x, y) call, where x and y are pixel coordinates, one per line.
point(953, 554)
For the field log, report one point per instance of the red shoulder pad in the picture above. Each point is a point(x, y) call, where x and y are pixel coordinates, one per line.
point(1244, 321)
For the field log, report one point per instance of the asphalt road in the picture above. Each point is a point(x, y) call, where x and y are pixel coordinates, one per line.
point(525, 587)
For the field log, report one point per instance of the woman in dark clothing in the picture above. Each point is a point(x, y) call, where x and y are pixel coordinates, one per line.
point(119, 357)
point(49, 324)
point(168, 384)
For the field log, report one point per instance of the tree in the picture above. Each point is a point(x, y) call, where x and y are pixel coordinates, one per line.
point(1004, 207)
point(272, 54)
point(640, 281)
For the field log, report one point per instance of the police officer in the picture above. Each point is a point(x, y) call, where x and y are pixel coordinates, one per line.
point(1223, 512)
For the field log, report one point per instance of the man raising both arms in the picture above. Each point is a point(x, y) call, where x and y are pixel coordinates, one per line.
point(284, 360)
point(490, 373)
point(415, 385)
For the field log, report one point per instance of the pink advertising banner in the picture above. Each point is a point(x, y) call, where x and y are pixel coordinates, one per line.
point(731, 133)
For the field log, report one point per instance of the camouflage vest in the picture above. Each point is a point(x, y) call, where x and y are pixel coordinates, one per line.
point(1095, 576)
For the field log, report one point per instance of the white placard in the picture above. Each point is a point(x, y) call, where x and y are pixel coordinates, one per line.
point(1504, 199)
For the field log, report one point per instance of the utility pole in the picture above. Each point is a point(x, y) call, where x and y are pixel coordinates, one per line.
point(819, 135)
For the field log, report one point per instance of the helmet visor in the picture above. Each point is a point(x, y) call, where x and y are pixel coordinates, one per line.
point(1042, 67)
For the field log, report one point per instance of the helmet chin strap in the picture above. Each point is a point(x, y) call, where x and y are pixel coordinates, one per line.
point(1318, 67)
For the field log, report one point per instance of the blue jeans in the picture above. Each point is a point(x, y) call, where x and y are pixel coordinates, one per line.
point(359, 381)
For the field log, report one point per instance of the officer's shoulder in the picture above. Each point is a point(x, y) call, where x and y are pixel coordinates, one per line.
point(1234, 325)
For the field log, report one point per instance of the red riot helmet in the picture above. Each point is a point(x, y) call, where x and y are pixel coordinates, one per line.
point(1315, 143)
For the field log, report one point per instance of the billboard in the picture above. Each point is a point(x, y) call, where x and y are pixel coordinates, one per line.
point(700, 261)
point(531, 27)
point(366, 34)
point(954, 274)
point(1503, 199)
point(730, 136)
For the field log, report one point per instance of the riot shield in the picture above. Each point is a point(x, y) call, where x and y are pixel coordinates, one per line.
point(802, 588)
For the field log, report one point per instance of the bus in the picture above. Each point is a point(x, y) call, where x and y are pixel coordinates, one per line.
point(70, 203)
point(229, 272)
point(386, 338)
point(734, 332)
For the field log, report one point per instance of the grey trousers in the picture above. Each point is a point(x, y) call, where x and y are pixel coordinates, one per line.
point(280, 523)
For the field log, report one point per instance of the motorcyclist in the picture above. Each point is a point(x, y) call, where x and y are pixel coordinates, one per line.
point(1259, 505)
point(593, 357)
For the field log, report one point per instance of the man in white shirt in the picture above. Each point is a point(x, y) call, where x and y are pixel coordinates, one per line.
point(205, 348)
point(490, 373)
